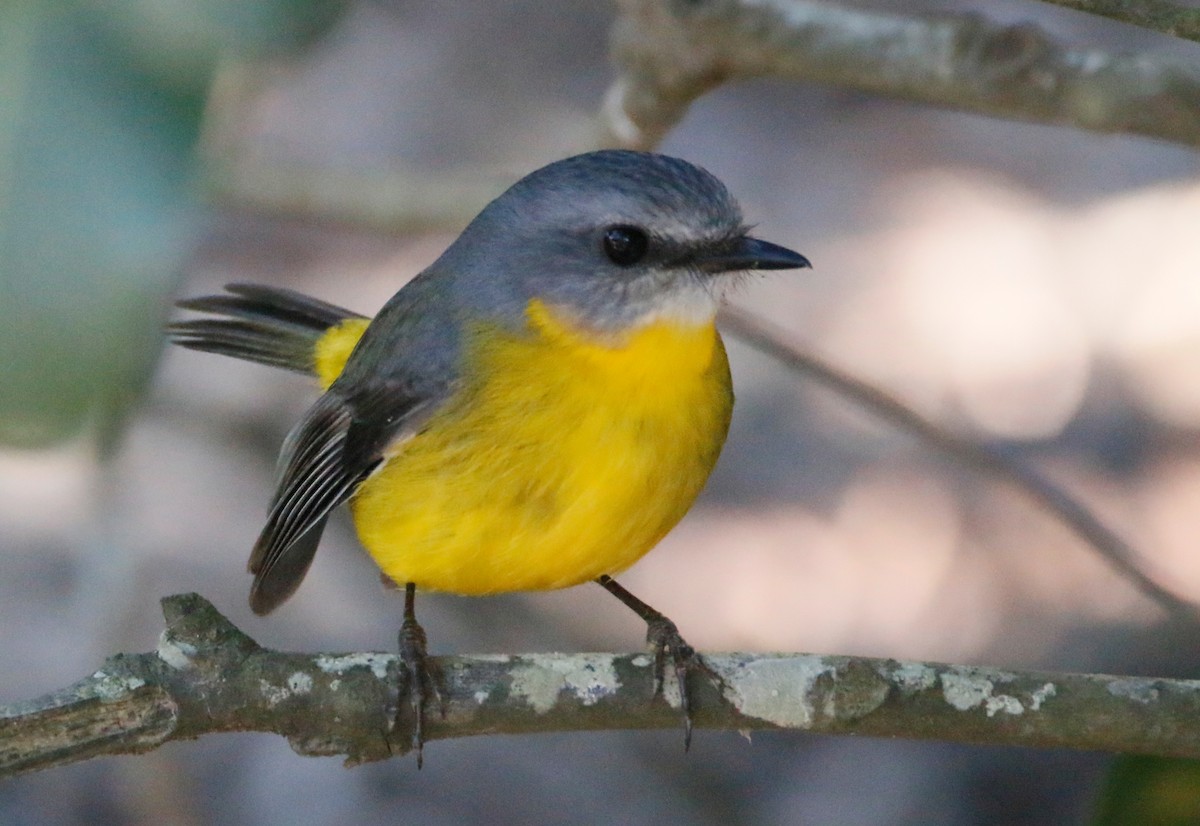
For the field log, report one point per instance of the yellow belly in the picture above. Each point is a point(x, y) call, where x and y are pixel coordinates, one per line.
point(561, 459)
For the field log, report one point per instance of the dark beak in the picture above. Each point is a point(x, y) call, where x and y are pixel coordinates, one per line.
point(748, 253)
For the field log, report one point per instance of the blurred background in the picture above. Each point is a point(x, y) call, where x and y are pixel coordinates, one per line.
point(1035, 286)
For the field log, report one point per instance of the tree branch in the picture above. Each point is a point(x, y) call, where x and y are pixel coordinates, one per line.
point(207, 676)
point(669, 52)
point(1157, 15)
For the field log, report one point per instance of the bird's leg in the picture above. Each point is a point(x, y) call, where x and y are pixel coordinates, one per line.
point(419, 677)
point(663, 636)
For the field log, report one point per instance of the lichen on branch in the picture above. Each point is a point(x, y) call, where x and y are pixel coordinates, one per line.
point(206, 677)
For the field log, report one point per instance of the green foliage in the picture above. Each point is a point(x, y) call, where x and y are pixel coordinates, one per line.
point(100, 107)
point(1151, 791)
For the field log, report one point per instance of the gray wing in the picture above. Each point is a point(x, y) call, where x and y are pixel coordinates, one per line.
point(403, 369)
point(337, 445)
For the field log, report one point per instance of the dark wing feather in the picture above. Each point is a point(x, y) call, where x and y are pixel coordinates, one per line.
point(275, 585)
point(254, 301)
point(314, 482)
point(338, 443)
point(274, 345)
point(267, 325)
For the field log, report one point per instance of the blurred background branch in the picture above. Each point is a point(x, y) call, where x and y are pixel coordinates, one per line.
point(967, 451)
point(393, 198)
point(670, 52)
point(1162, 16)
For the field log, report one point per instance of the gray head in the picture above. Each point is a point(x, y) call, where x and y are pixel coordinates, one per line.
point(611, 239)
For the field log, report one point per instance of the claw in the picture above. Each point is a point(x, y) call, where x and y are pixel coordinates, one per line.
point(420, 678)
point(663, 637)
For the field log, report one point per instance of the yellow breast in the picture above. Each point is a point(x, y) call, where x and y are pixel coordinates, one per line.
point(562, 458)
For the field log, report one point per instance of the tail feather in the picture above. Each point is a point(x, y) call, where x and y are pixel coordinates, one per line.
point(268, 325)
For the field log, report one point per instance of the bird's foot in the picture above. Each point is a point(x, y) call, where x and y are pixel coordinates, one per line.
point(420, 680)
point(664, 639)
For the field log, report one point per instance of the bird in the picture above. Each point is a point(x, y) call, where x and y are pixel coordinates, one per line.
point(533, 411)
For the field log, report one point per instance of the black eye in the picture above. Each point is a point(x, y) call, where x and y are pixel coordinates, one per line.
point(625, 245)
